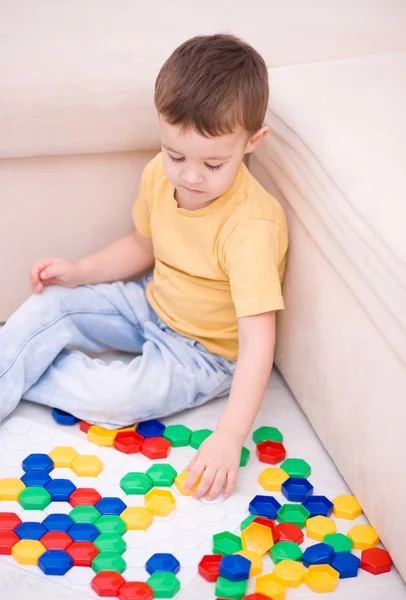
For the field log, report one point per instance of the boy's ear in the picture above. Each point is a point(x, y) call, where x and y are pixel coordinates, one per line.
point(256, 139)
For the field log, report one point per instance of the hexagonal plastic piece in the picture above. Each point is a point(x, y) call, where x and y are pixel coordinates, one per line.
point(36, 478)
point(235, 567)
point(162, 562)
point(164, 585)
point(38, 462)
point(87, 465)
point(321, 578)
point(257, 538)
point(296, 489)
point(151, 428)
point(84, 514)
point(289, 532)
point(110, 542)
point(318, 506)
point(199, 436)
point(7, 540)
point(256, 596)
point(34, 498)
point(101, 436)
point(255, 560)
point(137, 517)
point(56, 540)
point(293, 513)
point(230, 589)
point(108, 561)
point(111, 524)
point(161, 503)
point(285, 551)
point(245, 456)
point(247, 521)
point(270, 452)
point(363, 536)
point(270, 587)
point(226, 543)
point(84, 497)
point(296, 467)
point(136, 483)
point(155, 448)
point(162, 475)
point(270, 524)
point(58, 522)
point(271, 479)
point(10, 488)
point(346, 564)
point(318, 527)
point(107, 583)
point(178, 435)
point(55, 562)
point(82, 553)
point(60, 489)
point(209, 567)
point(289, 573)
point(264, 434)
point(84, 426)
point(346, 507)
point(376, 561)
point(9, 521)
point(129, 442)
point(110, 506)
point(265, 506)
point(63, 418)
point(339, 541)
point(63, 456)
point(27, 552)
point(319, 554)
point(180, 482)
point(135, 590)
point(83, 532)
point(30, 530)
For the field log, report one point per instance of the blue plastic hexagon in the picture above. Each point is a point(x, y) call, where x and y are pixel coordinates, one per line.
point(30, 530)
point(296, 489)
point(35, 478)
point(58, 522)
point(346, 564)
point(265, 506)
point(55, 562)
point(151, 428)
point(83, 532)
point(110, 506)
point(318, 554)
point(60, 489)
point(318, 506)
point(63, 418)
point(38, 462)
point(235, 567)
point(162, 562)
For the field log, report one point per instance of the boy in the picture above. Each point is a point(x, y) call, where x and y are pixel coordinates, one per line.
point(204, 323)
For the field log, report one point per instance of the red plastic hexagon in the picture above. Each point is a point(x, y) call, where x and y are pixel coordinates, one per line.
point(128, 442)
point(82, 553)
point(289, 532)
point(7, 541)
point(84, 497)
point(56, 540)
point(9, 521)
point(107, 583)
point(135, 590)
point(268, 523)
point(376, 561)
point(155, 447)
point(84, 426)
point(270, 452)
point(209, 567)
point(256, 596)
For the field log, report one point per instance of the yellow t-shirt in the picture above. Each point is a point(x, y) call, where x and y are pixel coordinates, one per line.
point(215, 264)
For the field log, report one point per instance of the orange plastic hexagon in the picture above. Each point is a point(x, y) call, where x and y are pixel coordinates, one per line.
point(363, 536)
point(289, 572)
point(87, 465)
point(346, 507)
point(376, 561)
point(101, 436)
point(137, 517)
point(160, 502)
point(155, 447)
point(270, 452)
point(271, 479)
point(27, 552)
point(257, 538)
point(63, 456)
point(270, 587)
point(321, 578)
point(318, 527)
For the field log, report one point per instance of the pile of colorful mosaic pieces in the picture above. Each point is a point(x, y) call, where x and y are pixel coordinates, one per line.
point(91, 534)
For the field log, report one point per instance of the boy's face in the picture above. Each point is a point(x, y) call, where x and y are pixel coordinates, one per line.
point(201, 169)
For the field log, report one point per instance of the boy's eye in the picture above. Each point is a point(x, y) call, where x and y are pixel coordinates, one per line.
point(213, 167)
point(178, 160)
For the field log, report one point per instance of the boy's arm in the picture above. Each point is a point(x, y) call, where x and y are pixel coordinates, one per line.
point(219, 455)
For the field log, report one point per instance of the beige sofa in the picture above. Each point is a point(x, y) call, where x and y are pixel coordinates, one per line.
point(77, 125)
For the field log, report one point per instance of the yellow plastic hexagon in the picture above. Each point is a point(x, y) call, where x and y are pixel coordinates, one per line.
point(269, 586)
point(130, 428)
point(290, 573)
point(63, 456)
point(321, 578)
point(137, 517)
point(87, 465)
point(257, 538)
point(10, 487)
point(256, 561)
point(318, 527)
point(180, 484)
point(101, 436)
point(160, 502)
point(346, 507)
point(363, 536)
point(27, 552)
point(271, 479)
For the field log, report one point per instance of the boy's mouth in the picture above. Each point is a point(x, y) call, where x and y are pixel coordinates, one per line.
point(193, 191)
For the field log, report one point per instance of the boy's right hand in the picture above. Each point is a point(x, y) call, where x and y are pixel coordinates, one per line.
point(54, 271)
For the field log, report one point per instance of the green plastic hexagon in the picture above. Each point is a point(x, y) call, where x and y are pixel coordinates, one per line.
point(108, 561)
point(246, 522)
point(110, 542)
point(136, 483)
point(111, 524)
point(164, 585)
point(339, 541)
point(293, 513)
point(162, 475)
point(296, 467)
point(198, 437)
point(264, 434)
point(84, 514)
point(245, 456)
point(226, 543)
point(178, 435)
point(230, 589)
point(285, 551)
point(34, 498)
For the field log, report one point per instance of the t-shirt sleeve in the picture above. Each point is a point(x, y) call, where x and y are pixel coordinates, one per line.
point(141, 212)
point(254, 256)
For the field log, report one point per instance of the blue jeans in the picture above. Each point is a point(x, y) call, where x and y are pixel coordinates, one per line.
point(168, 373)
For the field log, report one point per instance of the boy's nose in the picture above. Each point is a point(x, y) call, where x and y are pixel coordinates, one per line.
point(192, 177)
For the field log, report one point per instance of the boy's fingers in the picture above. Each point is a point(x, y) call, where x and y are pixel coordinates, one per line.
point(217, 486)
point(231, 481)
point(194, 475)
point(205, 483)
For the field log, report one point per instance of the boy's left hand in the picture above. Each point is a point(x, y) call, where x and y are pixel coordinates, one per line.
point(217, 460)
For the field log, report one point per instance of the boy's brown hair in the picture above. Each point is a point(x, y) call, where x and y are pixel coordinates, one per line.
point(213, 83)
